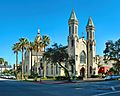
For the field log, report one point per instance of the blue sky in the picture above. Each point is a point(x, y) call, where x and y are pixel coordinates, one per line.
point(22, 18)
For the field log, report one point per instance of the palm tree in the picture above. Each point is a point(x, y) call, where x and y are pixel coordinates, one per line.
point(45, 43)
point(16, 48)
point(23, 43)
point(1, 62)
point(38, 48)
point(31, 48)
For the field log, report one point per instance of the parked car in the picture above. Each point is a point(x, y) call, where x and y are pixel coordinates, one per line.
point(12, 77)
point(112, 77)
point(8, 76)
point(4, 76)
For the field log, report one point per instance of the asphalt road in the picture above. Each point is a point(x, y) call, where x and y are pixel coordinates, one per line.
point(19, 88)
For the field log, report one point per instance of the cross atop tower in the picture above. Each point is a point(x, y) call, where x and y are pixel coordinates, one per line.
point(38, 30)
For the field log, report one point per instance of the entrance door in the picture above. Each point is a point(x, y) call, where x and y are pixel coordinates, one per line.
point(82, 72)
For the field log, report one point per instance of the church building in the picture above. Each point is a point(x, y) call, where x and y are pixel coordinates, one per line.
point(82, 50)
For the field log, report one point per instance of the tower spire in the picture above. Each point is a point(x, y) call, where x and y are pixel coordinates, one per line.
point(38, 37)
point(90, 22)
point(73, 24)
point(73, 15)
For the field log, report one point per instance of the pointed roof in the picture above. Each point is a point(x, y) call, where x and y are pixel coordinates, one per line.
point(73, 15)
point(38, 37)
point(90, 22)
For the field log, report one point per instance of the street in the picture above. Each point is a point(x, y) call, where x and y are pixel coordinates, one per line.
point(19, 88)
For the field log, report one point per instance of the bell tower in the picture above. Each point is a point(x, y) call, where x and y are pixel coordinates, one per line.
point(73, 33)
point(91, 51)
point(73, 37)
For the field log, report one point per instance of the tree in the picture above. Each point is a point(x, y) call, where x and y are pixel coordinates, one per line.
point(112, 52)
point(58, 55)
point(5, 64)
point(38, 46)
point(31, 48)
point(16, 49)
point(45, 43)
point(23, 43)
point(1, 62)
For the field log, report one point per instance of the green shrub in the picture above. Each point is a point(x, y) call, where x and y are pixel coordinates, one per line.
point(95, 76)
point(49, 77)
point(79, 78)
point(61, 78)
point(34, 75)
point(30, 77)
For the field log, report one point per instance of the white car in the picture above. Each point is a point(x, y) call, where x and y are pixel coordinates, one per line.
point(12, 77)
point(6, 76)
point(112, 77)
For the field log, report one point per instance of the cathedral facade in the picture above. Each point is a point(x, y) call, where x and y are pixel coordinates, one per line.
point(82, 50)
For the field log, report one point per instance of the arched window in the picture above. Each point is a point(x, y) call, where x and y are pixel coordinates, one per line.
point(47, 70)
point(56, 68)
point(69, 30)
point(82, 57)
point(90, 70)
point(51, 69)
point(75, 29)
point(72, 43)
point(72, 29)
point(90, 46)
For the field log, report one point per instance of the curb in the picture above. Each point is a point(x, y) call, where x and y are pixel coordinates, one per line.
point(66, 82)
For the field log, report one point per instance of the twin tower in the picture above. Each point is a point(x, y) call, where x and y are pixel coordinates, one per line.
point(81, 49)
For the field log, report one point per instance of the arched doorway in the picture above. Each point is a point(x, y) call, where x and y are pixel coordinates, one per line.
point(90, 69)
point(82, 72)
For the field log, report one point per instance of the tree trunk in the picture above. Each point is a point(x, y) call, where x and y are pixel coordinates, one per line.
point(22, 71)
point(16, 60)
point(66, 70)
point(44, 65)
point(16, 65)
point(37, 62)
point(31, 63)
point(44, 68)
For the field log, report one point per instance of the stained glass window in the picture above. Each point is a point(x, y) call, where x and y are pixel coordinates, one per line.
point(82, 57)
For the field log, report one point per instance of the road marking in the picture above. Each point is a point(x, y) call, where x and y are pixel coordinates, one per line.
point(107, 93)
point(78, 88)
point(113, 88)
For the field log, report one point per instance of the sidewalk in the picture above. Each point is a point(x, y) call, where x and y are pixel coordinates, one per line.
point(67, 82)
